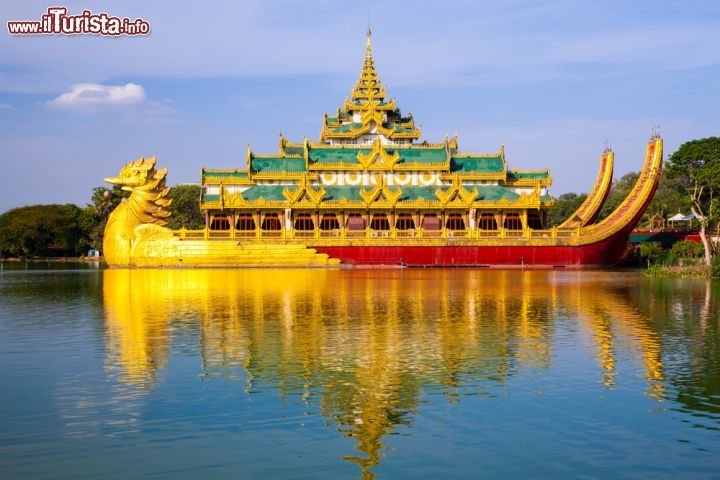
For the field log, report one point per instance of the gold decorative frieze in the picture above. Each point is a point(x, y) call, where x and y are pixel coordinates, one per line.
point(304, 193)
point(457, 194)
point(378, 158)
point(381, 195)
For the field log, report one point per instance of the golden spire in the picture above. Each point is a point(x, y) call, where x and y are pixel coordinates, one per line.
point(368, 46)
point(368, 98)
point(368, 87)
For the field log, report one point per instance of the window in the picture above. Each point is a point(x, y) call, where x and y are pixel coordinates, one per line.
point(245, 221)
point(304, 222)
point(487, 222)
point(355, 221)
point(455, 221)
point(430, 221)
point(535, 221)
point(271, 222)
point(380, 222)
point(329, 221)
point(512, 221)
point(405, 222)
point(220, 222)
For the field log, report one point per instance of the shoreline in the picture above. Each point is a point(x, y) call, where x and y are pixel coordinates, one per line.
point(53, 260)
point(675, 271)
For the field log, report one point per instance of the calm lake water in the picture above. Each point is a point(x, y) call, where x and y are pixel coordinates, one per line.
point(334, 374)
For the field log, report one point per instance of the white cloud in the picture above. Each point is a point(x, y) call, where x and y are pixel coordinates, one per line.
point(83, 95)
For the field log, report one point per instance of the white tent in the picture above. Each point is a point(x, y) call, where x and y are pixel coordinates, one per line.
point(679, 217)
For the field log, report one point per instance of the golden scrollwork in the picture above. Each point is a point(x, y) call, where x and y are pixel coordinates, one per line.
point(457, 194)
point(304, 193)
point(378, 158)
point(381, 194)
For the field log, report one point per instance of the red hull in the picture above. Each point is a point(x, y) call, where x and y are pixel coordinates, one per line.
point(608, 252)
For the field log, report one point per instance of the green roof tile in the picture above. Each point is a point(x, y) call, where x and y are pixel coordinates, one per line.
point(347, 127)
point(268, 192)
point(352, 193)
point(495, 192)
point(411, 193)
point(291, 150)
point(348, 156)
point(477, 164)
point(225, 174)
point(421, 155)
point(335, 155)
point(519, 175)
point(337, 193)
point(277, 164)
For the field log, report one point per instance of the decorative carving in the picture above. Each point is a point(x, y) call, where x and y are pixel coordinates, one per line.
point(146, 205)
point(304, 193)
point(378, 158)
point(457, 194)
point(381, 194)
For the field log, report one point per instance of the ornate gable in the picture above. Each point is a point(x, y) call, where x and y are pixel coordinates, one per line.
point(457, 194)
point(381, 195)
point(378, 158)
point(304, 193)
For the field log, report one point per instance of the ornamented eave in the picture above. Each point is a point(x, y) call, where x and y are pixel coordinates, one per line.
point(381, 195)
point(456, 194)
point(304, 192)
point(378, 158)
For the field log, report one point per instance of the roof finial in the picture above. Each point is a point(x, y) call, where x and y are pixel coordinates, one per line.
point(368, 47)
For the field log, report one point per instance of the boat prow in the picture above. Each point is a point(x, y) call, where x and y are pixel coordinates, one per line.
point(590, 208)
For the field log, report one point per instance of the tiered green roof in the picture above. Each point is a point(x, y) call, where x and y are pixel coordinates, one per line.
point(341, 149)
point(292, 160)
point(368, 101)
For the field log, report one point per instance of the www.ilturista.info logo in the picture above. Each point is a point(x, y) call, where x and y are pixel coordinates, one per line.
point(57, 22)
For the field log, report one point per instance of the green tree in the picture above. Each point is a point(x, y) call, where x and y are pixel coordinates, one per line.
point(95, 215)
point(652, 251)
point(185, 208)
point(687, 250)
point(618, 192)
point(669, 198)
point(696, 168)
point(565, 205)
point(42, 230)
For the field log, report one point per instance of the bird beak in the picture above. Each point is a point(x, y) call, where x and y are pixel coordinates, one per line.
point(113, 180)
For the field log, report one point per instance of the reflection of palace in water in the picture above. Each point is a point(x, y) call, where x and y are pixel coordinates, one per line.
point(365, 345)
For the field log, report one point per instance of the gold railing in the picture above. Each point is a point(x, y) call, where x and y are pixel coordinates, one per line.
point(367, 233)
point(331, 233)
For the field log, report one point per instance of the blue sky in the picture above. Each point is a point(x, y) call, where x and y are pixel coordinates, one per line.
point(552, 80)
